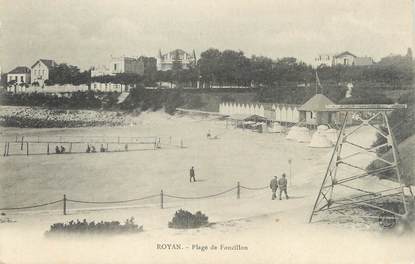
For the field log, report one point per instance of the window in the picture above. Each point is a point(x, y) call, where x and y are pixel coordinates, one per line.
point(115, 66)
point(21, 78)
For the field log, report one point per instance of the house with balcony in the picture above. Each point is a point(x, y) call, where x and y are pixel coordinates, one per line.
point(18, 79)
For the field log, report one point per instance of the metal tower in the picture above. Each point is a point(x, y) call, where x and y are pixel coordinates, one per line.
point(346, 183)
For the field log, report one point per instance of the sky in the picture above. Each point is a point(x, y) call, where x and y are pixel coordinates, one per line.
point(88, 32)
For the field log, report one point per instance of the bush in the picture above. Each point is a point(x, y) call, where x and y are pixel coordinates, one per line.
point(184, 219)
point(78, 227)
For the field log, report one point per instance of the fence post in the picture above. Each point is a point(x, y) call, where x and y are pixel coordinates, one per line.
point(5, 149)
point(238, 190)
point(64, 204)
point(70, 148)
point(170, 140)
point(48, 150)
point(21, 145)
point(161, 199)
point(8, 148)
point(16, 138)
point(27, 148)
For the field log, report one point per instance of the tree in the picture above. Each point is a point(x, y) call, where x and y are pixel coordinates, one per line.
point(209, 65)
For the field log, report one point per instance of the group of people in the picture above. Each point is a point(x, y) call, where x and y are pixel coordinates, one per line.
point(275, 183)
point(91, 149)
point(279, 183)
point(58, 150)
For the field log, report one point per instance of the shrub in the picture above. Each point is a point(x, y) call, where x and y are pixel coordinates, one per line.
point(78, 227)
point(184, 219)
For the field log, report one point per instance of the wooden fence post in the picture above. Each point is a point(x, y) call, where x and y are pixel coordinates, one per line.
point(64, 204)
point(47, 150)
point(161, 200)
point(21, 145)
point(70, 148)
point(5, 149)
point(8, 148)
point(238, 190)
point(27, 148)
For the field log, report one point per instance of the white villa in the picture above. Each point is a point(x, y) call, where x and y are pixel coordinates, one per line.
point(165, 61)
point(117, 65)
point(344, 58)
point(40, 71)
point(21, 77)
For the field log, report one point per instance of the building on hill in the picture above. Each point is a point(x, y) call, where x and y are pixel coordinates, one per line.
point(40, 71)
point(324, 60)
point(18, 79)
point(363, 61)
point(118, 65)
point(166, 61)
point(345, 58)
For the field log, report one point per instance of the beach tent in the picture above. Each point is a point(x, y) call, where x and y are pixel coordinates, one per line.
point(319, 140)
point(293, 133)
point(331, 134)
point(303, 135)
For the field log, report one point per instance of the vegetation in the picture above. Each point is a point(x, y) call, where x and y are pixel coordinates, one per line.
point(184, 219)
point(76, 100)
point(78, 227)
point(68, 74)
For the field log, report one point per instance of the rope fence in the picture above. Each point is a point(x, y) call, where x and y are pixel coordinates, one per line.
point(30, 145)
point(161, 196)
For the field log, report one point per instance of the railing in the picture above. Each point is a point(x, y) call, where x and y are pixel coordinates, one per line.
point(36, 145)
point(162, 196)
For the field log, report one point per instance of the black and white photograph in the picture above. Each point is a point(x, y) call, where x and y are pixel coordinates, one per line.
point(217, 131)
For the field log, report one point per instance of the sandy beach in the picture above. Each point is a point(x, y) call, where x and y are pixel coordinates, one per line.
point(277, 228)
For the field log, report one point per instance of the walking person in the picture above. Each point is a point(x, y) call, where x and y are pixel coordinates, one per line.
point(274, 186)
point(282, 183)
point(192, 174)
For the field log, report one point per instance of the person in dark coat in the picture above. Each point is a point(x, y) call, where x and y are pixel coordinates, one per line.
point(282, 183)
point(274, 186)
point(192, 174)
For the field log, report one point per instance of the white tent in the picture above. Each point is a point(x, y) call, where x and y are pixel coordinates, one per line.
point(331, 134)
point(303, 135)
point(322, 128)
point(319, 140)
point(293, 133)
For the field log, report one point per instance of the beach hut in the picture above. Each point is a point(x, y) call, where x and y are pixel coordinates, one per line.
point(296, 115)
point(284, 113)
point(278, 113)
point(314, 111)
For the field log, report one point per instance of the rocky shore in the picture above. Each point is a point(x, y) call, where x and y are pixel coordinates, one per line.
point(28, 117)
